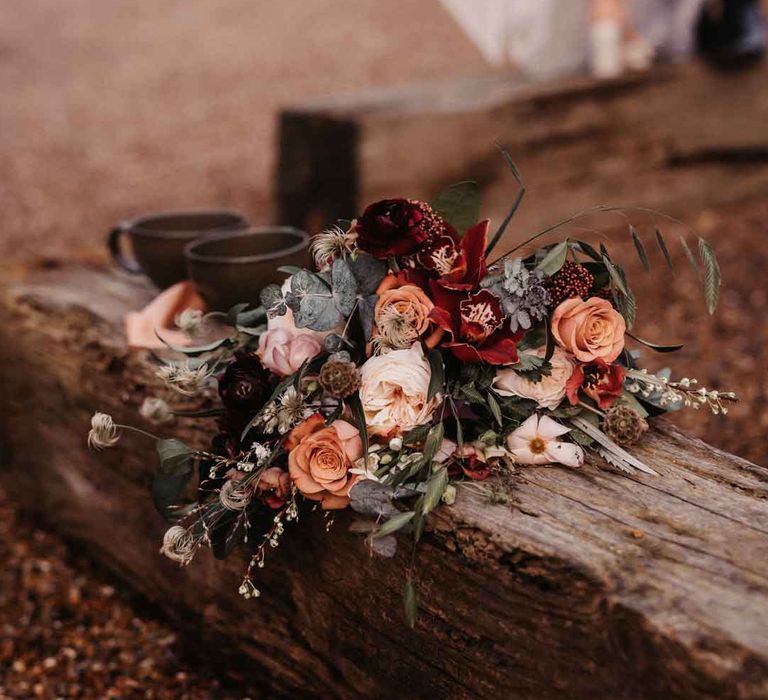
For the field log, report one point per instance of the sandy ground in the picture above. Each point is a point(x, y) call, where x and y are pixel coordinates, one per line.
point(111, 109)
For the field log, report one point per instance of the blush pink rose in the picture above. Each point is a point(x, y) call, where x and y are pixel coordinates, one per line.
point(283, 351)
point(320, 458)
point(589, 329)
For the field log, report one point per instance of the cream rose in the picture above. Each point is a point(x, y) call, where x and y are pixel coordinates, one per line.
point(283, 351)
point(548, 392)
point(393, 391)
point(320, 458)
point(589, 329)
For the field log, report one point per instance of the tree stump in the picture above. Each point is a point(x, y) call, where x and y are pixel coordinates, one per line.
point(592, 585)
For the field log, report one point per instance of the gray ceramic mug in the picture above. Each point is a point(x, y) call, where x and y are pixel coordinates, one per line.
point(232, 268)
point(158, 241)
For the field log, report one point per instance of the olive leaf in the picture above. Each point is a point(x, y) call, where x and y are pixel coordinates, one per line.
point(711, 275)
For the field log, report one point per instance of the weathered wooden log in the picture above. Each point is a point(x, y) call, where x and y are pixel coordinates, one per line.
point(593, 585)
point(669, 139)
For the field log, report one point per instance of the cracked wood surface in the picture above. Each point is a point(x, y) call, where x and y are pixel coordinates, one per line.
point(594, 585)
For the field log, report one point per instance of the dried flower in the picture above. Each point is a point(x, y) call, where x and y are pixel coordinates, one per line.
point(155, 411)
point(523, 294)
point(623, 424)
point(190, 321)
point(179, 544)
point(331, 244)
point(234, 495)
point(291, 410)
point(571, 280)
point(103, 432)
point(339, 379)
point(187, 378)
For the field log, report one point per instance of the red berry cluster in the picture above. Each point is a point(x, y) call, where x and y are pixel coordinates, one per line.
point(571, 280)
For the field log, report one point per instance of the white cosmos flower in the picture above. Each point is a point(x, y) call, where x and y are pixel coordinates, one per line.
point(534, 443)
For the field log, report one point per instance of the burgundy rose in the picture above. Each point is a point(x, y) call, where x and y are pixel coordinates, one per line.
point(603, 383)
point(396, 227)
point(244, 386)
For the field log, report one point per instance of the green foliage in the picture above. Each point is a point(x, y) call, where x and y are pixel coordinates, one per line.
point(395, 523)
point(554, 259)
point(437, 373)
point(459, 205)
point(173, 475)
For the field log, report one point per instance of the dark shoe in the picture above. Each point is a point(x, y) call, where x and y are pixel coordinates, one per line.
point(731, 33)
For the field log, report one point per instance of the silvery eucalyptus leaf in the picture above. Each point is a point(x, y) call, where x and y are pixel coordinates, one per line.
point(344, 286)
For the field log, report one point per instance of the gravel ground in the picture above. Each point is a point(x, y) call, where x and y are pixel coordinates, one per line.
point(67, 633)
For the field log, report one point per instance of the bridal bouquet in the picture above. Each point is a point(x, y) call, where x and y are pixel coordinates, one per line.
point(407, 363)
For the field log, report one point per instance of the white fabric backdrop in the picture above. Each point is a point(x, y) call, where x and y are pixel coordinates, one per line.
point(551, 37)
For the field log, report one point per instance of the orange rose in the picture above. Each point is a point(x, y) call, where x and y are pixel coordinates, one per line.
point(401, 315)
point(589, 329)
point(320, 458)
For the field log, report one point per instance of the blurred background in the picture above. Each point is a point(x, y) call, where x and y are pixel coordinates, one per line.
point(299, 112)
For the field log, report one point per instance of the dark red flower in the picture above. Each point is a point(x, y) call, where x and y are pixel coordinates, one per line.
point(476, 327)
point(397, 227)
point(458, 264)
point(600, 381)
point(244, 386)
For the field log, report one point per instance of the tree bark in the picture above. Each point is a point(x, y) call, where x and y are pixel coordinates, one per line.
point(593, 585)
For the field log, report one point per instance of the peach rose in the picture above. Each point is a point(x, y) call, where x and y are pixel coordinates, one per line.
point(393, 391)
point(548, 392)
point(283, 351)
point(320, 458)
point(401, 315)
point(274, 485)
point(589, 329)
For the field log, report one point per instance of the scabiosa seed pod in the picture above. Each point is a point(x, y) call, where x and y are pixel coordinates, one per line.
point(623, 424)
point(571, 280)
point(339, 379)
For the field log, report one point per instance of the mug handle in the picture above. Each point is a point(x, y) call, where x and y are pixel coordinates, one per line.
point(115, 249)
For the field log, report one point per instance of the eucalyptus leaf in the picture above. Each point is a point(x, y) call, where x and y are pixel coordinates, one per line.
point(344, 286)
point(368, 272)
point(366, 308)
point(175, 456)
point(369, 497)
point(459, 205)
point(383, 546)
